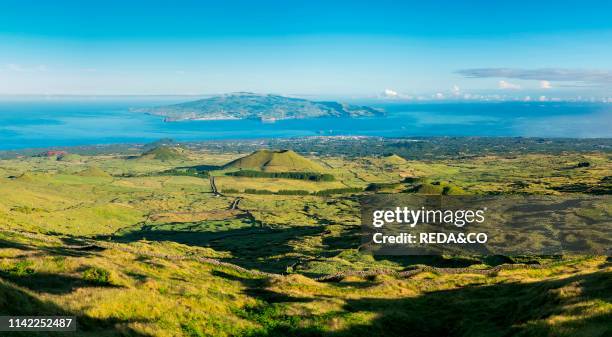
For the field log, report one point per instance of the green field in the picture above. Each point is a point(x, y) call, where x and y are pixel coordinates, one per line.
point(168, 244)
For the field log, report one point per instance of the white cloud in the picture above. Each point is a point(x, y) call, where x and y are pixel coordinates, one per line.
point(388, 93)
point(508, 86)
point(439, 95)
point(581, 76)
point(545, 85)
point(456, 90)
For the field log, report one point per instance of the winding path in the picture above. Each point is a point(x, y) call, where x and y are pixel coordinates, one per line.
point(234, 204)
point(213, 186)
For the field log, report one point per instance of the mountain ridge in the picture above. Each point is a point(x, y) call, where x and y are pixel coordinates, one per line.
point(274, 161)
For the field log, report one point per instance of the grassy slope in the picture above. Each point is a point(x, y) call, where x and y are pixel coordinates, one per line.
point(274, 161)
point(306, 235)
point(164, 153)
point(152, 290)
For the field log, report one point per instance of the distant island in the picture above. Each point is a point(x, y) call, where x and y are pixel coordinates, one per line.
point(268, 108)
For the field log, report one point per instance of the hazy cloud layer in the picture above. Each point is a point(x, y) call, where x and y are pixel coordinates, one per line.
point(545, 84)
point(546, 75)
point(18, 68)
point(507, 85)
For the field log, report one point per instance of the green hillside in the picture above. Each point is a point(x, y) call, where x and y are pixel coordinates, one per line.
point(275, 161)
point(164, 153)
point(26, 177)
point(278, 251)
point(94, 171)
point(394, 159)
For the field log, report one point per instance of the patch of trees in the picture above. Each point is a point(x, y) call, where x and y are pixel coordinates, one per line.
point(293, 192)
point(190, 172)
point(376, 187)
point(344, 190)
point(256, 191)
point(327, 192)
point(311, 176)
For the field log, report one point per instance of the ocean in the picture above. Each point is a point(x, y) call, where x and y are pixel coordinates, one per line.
point(53, 122)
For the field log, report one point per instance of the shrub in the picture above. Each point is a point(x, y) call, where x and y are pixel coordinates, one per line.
point(376, 187)
point(293, 192)
point(413, 180)
point(22, 268)
point(583, 164)
point(338, 191)
point(255, 191)
point(24, 209)
point(96, 275)
point(190, 172)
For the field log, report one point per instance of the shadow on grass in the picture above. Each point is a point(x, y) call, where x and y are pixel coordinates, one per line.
point(201, 167)
point(262, 248)
point(257, 288)
point(513, 309)
point(270, 249)
point(49, 283)
point(16, 302)
point(430, 260)
point(73, 251)
point(350, 238)
point(14, 245)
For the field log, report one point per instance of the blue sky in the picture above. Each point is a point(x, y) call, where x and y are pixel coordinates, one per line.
point(353, 48)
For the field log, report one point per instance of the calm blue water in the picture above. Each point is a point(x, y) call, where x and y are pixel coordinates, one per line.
point(62, 123)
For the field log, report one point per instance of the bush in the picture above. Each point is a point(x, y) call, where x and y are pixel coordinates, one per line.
point(376, 187)
point(24, 209)
point(96, 275)
point(583, 164)
point(338, 191)
point(255, 191)
point(303, 192)
point(22, 268)
point(190, 172)
point(293, 192)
